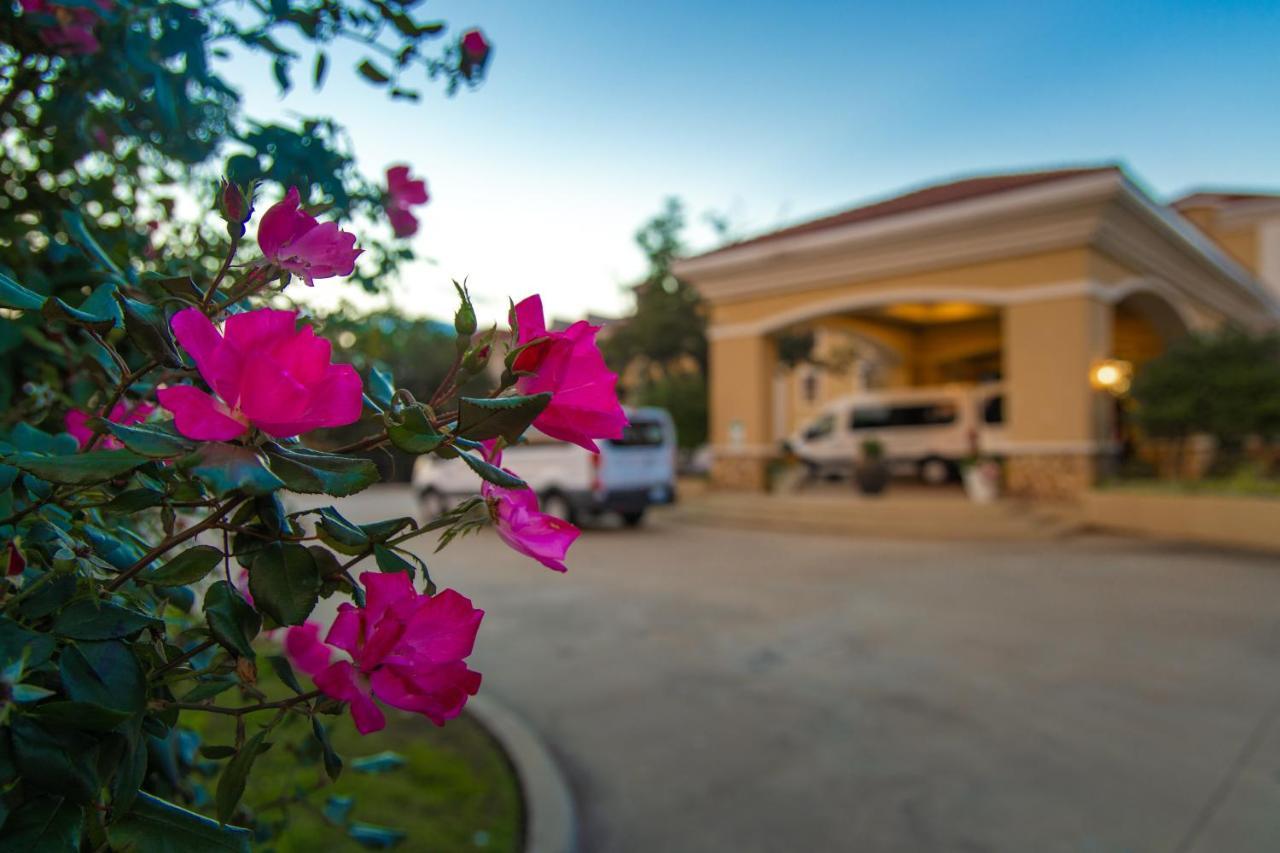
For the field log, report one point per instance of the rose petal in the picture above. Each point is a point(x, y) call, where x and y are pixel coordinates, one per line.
point(199, 416)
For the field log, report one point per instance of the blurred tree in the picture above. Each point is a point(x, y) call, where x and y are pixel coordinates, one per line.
point(668, 331)
point(660, 351)
point(1225, 384)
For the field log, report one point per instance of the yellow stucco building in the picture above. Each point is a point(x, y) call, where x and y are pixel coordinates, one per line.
point(1031, 278)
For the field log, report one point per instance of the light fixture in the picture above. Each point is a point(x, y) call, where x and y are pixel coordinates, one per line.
point(1112, 375)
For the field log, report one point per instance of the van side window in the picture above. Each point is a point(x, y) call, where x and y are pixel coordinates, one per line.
point(993, 410)
point(820, 428)
point(930, 414)
point(870, 417)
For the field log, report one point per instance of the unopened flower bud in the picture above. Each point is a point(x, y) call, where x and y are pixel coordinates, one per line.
point(234, 207)
point(477, 359)
point(464, 322)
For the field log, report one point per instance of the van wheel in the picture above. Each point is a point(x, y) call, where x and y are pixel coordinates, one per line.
point(935, 471)
point(558, 505)
point(431, 505)
point(632, 519)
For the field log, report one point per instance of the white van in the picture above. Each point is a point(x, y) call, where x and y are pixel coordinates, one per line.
point(627, 476)
point(924, 430)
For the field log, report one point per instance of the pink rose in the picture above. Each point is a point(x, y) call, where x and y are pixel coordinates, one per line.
point(77, 422)
point(406, 650)
point(584, 402)
point(535, 534)
point(402, 193)
point(475, 47)
point(521, 525)
point(264, 372)
point(296, 241)
point(74, 32)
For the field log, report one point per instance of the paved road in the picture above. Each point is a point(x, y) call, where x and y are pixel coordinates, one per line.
point(721, 690)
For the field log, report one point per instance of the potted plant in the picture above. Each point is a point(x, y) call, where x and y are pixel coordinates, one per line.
point(981, 477)
point(872, 473)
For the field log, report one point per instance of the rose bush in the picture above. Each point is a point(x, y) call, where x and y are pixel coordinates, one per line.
point(160, 418)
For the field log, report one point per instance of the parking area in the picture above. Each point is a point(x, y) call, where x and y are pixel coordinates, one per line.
point(730, 690)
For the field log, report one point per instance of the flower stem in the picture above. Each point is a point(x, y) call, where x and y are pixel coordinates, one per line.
point(210, 521)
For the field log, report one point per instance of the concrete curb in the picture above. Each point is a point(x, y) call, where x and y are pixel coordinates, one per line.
point(551, 822)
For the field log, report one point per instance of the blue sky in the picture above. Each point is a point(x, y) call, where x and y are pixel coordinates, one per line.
point(771, 112)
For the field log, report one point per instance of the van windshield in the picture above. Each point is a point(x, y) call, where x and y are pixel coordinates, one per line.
point(639, 434)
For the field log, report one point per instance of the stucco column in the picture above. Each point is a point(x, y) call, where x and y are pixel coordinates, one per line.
point(1056, 424)
point(742, 376)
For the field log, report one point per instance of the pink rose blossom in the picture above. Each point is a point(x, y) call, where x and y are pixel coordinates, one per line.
point(521, 525)
point(77, 422)
point(406, 650)
point(535, 534)
point(584, 402)
point(296, 241)
point(404, 192)
point(74, 31)
point(475, 47)
point(265, 373)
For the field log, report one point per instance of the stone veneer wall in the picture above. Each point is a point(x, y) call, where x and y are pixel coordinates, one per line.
point(1056, 476)
point(740, 473)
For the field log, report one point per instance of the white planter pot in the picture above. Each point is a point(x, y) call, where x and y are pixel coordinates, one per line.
point(982, 482)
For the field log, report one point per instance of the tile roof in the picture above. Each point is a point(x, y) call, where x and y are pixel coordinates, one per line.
point(930, 196)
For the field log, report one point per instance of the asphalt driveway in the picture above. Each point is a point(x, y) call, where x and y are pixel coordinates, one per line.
point(725, 690)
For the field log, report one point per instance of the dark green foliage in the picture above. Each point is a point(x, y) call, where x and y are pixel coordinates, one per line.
point(1225, 384)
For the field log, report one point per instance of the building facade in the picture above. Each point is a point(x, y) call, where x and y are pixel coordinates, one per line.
point(1030, 278)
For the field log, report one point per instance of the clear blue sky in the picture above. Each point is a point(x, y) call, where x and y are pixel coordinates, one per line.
point(595, 111)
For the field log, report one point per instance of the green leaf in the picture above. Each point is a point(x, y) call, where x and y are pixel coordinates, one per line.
point(493, 473)
point(99, 311)
point(481, 418)
point(232, 781)
point(104, 674)
point(101, 620)
point(312, 472)
point(332, 761)
point(131, 772)
point(414, 432)
point(188, 567)
point(321, 70)
point(148, 328)
point(154, 825)
point(80, 469)
point(230, 467)
point(381, 531)
point(15, 296)
point(372, 73)
point(343, 536)
point(74, 223)
point(390, 561)
point(23, 436)
point(381, 386)
point(232, 621)
point(80, 715)
point(284, 671)
point(44, 823)
point(148, 440)
point(58, 760)
point(134, 500)
point(209, 688)
point(17, 642)
point(285, 582)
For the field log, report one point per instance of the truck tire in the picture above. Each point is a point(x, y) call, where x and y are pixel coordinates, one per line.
point(935, 470)
point(431, 504)
point(633, 518)
point(554, 503)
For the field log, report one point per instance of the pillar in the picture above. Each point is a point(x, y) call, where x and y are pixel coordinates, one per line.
point(1057, 425)
point(742, 439)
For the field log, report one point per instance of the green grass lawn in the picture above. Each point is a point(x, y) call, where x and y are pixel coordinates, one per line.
point(456, 791)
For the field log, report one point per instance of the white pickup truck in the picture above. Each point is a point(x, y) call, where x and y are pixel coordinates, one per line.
point(629, 475)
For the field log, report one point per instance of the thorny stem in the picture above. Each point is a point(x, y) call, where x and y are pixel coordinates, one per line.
point(185, 656)
point(248, 709)
point(222, 272)
point(211, 520)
